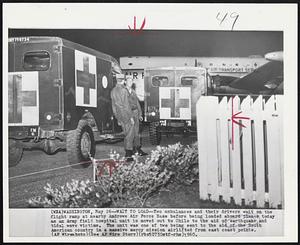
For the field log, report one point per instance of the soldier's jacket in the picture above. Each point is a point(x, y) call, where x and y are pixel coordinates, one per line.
point(120, 104)
point(134, 102)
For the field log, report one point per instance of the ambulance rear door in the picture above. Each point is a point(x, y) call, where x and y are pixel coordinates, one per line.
point(34, 84)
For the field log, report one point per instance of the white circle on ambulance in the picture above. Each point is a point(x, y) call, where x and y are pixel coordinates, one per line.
point(104, 82)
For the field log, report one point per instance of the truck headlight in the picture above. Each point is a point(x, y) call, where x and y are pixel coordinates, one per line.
point(68, 117)
point(163, 122)
point(153, 113)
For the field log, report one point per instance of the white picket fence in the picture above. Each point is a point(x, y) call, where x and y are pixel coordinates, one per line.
point(252, 172)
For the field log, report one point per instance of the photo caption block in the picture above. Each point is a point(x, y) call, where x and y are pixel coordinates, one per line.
point(165, 222)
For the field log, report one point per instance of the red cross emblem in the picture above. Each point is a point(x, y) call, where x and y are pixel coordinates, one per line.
point(175, 103)
point(86, 80)
point(18, 98)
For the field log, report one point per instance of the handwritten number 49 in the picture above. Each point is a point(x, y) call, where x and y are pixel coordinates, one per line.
point(232, 16)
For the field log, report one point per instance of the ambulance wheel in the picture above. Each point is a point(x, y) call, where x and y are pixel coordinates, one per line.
point(81, 145)
point(15, 153)
point(155, 135)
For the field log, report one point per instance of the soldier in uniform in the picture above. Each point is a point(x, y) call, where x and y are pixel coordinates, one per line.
point(137, 115)
point(123, 113)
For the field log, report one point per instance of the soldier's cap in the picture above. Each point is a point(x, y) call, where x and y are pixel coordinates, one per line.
point(120, 76)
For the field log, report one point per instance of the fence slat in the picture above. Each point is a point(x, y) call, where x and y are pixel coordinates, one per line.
point(202, 110)
point(236, 160)
point(259, 151)
point(247, 152)
point(279, 108)
point(211, 131)
point(207, 135)
point(224, 115)
point(274, 153)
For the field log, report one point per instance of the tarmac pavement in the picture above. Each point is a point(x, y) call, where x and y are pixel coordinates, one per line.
point(21, 189)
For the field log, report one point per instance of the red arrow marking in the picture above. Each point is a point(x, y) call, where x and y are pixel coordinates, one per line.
point(111, 164)
point(135, 31)
point(134, 23)
point(143, 25)
point(233, 121)
point(242, 125)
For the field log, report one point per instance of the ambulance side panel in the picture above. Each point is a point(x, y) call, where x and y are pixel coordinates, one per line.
point(102, 113)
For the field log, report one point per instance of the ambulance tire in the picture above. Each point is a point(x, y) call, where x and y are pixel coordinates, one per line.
point(155, 135)
point(15, 153)
point(81, 137)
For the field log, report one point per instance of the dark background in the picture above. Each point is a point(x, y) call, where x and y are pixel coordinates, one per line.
point(168, 42)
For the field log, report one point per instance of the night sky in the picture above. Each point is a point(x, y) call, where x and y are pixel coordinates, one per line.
point(120, 43)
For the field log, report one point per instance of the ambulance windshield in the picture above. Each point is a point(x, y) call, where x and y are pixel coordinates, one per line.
point(188, 80)
point(36, 61)
point(160, 81)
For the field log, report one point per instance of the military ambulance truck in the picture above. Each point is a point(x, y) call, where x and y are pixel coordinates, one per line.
point(171, 94)
point(59, 98)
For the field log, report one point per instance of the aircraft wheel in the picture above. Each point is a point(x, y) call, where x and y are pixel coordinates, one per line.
point(15, 153)
point(155, 135)
point(81, 145)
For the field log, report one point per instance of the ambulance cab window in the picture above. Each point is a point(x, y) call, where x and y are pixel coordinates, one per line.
point(188, 80)
point(160, 81)
point(36, 61)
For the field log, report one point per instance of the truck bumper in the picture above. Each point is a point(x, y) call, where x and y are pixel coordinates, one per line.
point(23, 132)
point(176, 126)
point(31, 132)
point(33, 137)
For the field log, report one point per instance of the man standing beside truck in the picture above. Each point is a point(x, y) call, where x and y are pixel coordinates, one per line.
point(137, 116)
point(123, 113)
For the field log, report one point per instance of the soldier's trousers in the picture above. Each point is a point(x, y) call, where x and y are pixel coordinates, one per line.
point(132, 138)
